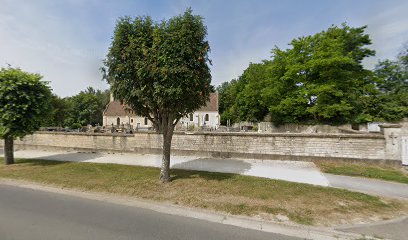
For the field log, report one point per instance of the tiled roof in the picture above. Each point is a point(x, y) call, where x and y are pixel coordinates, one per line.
point(211, 105)
point(115, 108)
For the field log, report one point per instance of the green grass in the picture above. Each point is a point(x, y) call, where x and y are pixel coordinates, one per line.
point(230, 193)
point(365, 170)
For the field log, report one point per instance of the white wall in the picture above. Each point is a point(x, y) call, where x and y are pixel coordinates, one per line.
point(133, 121)
point(199, 119)
point(109, 120)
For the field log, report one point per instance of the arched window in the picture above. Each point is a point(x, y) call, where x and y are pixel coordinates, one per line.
point(117, 121)
point(207, 118)
point(145, 121)
point(191, 117)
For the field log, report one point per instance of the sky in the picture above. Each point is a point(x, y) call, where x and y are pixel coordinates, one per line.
point(66, 40)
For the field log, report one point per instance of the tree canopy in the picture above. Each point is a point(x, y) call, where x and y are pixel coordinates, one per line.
point(160, 70)
point(87, 107)
point(79, 110)
point(24, 104)
point(319, 79)
point(391, 101)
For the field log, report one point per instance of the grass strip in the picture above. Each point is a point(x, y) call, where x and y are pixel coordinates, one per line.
point(364, 170)
point(230, 193)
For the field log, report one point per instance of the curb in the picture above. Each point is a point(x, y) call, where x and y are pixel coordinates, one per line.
point(304, 232)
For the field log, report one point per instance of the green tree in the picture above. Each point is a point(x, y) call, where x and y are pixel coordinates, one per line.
point(24, 103)
point(391, 102)
point(227, 96)
point(321, 78)
point(85, 108)
point(403, 57)
point(240, 100)
point(160, 70)
point(59, 112)
point(102, 95)
point(249, 101)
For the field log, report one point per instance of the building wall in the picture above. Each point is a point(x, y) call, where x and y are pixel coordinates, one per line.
point(133, 121)
point(282, 146)
point(198, 119)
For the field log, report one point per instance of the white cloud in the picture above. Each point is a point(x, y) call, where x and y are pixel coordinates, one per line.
point(389, 31)
point(37, 38)
point(63, 41)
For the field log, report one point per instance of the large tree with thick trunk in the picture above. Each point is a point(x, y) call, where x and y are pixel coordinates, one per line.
point(160, 70)
point(24, 101)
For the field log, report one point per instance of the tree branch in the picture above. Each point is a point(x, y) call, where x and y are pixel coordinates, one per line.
point(175, 123)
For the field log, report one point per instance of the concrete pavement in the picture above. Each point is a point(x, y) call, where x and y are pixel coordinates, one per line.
point(294, 171)
point(369, 186)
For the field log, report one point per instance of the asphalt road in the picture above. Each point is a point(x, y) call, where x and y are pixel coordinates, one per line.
point(396, 229)
point(33, 214)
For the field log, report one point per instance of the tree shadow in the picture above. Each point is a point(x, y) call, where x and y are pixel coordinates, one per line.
point(39, 162)
point(71, 157)
point(209, 169)
point(56, 158)
point(177, 174)
point(64, 157)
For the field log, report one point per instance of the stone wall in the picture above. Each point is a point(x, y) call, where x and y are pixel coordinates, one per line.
point(285, 146)
point(269, 127)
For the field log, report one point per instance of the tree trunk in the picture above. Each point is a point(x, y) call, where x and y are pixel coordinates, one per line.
point(8, 150)
point(167, 131)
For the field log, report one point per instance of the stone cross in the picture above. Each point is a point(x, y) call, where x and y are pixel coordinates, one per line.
point(393, 137)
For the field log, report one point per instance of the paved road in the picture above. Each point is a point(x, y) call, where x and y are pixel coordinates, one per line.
point(370, 186)
point(33, 214)
point(396, 230)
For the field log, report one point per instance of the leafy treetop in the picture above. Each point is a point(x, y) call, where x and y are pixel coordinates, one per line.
point(160, 69)
point(320, 79)
point(23, 102)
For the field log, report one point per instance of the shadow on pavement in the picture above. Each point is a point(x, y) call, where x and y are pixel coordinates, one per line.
point(210, 168)
point(71, 157)
point(57, 158)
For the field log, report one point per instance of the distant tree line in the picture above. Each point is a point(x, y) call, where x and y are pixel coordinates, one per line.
point(319, 79)
point(82, 109)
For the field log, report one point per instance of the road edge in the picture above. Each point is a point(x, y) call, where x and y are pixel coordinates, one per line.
point(305, 232)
